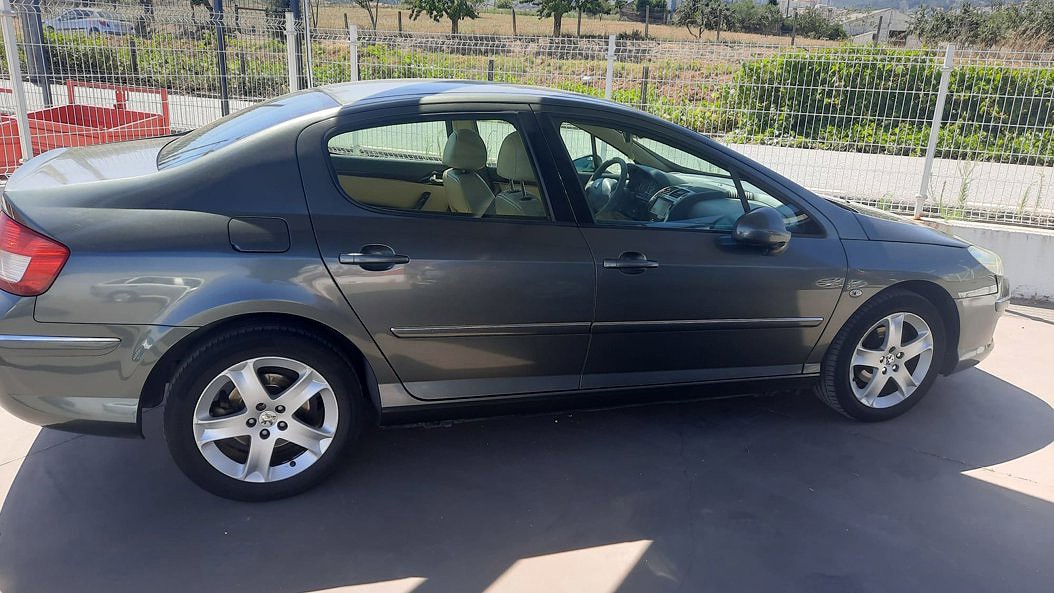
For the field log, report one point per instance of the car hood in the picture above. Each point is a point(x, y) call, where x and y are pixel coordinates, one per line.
point(880, 225)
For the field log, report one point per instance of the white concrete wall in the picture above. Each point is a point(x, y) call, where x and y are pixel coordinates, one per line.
point(1028, 254)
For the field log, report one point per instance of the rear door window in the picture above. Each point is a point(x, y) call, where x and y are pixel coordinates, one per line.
point(454, 166)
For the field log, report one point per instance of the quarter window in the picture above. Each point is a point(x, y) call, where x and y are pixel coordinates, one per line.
point(470, 167)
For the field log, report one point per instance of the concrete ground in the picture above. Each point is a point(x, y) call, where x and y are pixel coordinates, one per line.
point(759, 494)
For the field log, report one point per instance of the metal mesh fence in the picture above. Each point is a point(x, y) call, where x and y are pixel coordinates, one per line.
point(849, 121)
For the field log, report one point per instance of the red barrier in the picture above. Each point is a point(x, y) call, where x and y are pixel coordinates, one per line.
point(82, 125)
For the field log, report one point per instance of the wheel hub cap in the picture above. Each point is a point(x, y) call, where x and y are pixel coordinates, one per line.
point(891, 360)
point(253, 428)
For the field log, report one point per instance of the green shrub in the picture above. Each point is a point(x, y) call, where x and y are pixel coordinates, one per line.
point(883, 100)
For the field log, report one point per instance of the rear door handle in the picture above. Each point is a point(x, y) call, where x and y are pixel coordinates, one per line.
point(374, 258)
point(630, 262)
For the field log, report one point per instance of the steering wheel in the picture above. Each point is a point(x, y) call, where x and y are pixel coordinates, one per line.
point(602, 193)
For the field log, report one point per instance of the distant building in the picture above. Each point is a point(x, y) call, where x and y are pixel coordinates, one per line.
point(886, 25)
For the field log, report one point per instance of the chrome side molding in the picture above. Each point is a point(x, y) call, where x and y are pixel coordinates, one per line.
point(17, 342)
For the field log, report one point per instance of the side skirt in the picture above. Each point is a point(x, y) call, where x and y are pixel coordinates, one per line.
point(535, 403)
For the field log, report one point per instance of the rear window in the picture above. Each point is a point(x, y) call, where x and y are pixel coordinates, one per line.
point(236, 126)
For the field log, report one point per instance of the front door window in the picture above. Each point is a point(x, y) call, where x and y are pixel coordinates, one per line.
point(639, 180)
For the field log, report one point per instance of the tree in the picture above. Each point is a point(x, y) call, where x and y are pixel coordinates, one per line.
point(699, 15)
point(372, 10)
point(817, 25)
point(455, 10)
point(558, 8)
point(748, 17)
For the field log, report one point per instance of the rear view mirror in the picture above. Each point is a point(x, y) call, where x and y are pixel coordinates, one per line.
point(762, 227)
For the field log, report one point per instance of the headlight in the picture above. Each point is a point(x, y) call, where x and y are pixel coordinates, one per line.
point(992, 262)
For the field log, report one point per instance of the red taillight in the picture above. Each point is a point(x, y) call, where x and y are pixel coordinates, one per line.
point(29, 261)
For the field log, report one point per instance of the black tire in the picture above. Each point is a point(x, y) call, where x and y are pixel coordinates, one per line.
point(834, 387)
point(219, 353)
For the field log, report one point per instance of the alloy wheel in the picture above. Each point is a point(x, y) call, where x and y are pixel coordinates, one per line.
point(891, 360)
point(265, 419)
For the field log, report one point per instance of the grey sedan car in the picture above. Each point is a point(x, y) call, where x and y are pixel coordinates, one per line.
point(370, 252)
point(89, 21)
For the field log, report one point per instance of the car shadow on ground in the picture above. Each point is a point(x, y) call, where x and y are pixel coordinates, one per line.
point(754, 494)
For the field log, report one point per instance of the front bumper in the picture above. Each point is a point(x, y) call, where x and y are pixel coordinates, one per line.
point(84, 378)
point(978, 316)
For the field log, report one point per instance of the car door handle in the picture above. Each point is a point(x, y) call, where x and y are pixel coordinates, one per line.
point(630, 262)
point(375, 258)
point(358, 259)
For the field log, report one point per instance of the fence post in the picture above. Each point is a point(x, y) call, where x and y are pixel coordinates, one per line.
point(221, 56)
point(935, 128)
point(133, 58)
point(644, 88)
point(514, 33)
point(290, 52)
point(307, 52)
point(611, 66)
point(353, 50)
point(490, 70)
point(38, 62)
point(14, 69)
point(241, 72)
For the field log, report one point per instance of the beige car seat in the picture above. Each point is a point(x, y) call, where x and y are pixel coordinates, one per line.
point(466, 192)
point(514, 164)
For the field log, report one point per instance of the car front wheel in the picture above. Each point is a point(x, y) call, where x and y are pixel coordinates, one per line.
point(263, 413)
point(885, 358)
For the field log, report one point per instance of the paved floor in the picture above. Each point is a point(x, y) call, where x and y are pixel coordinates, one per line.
point(747, 495)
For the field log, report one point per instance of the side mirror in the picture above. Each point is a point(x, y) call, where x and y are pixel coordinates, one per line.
point(762, 227)
point(585, 164)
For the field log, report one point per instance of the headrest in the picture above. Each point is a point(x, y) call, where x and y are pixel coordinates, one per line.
point(465, 150)
point(513, 162)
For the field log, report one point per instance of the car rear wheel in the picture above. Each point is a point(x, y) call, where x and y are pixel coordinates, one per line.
point(885, 358)
point(263, 413)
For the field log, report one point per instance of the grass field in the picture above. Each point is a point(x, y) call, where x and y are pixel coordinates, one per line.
point(500, 23)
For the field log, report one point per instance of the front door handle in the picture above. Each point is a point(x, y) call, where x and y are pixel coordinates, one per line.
point(374, 258)
point(630, 262)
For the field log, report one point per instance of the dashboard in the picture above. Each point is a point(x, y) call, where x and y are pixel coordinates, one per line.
point(652, 195)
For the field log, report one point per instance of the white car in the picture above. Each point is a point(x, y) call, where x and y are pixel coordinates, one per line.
point(89, 21)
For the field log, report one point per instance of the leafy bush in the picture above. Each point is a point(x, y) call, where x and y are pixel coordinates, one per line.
point(747, 17)
point(815, 23)
point(882, 101)
point(1028, 25)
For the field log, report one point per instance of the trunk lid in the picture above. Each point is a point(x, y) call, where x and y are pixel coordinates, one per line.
point(66, 192)
point(69, 166)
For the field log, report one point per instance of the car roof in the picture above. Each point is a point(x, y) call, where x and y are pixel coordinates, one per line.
point(439, 91)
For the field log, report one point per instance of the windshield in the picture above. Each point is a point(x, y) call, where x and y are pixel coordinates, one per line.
point(251, 120)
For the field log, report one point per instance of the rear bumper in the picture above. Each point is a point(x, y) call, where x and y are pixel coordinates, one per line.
point(84, 378)
point(977, 319)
